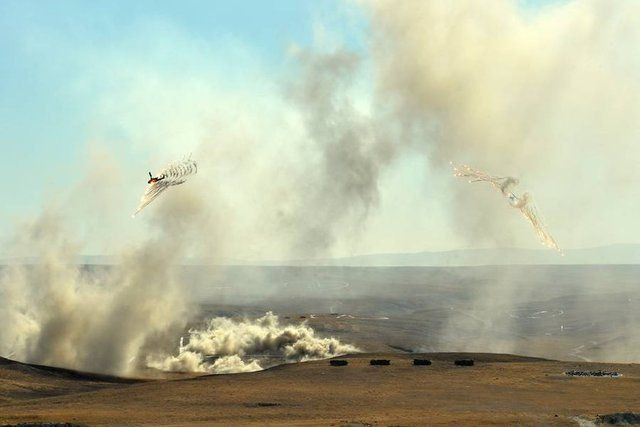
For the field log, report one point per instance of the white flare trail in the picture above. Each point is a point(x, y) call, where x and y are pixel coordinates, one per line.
point(524, 203)
point(174, 174)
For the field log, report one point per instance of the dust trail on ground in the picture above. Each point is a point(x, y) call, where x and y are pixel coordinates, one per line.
point(233, 341)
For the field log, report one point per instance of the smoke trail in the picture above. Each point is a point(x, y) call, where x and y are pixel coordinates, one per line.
point(173, 174)
point(523, 203)
point(232, 341)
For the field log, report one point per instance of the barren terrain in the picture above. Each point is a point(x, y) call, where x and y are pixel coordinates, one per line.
point(497, 389)
point(584, 315)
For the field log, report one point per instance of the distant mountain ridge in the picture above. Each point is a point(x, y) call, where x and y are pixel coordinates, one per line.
point(611, 254)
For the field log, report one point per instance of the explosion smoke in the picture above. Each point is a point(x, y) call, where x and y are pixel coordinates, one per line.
point(173, 174)
point(352, 151)
point(232, 340)
point(109, 321)
point(524, 203)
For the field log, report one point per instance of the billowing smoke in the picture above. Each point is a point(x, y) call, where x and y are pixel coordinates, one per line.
point(552, 94)
point(233, 342)
point(57, 312)
point(128, 316)
point(348, 151)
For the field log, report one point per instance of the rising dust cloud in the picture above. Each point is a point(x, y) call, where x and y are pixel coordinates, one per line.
point(127, 318)
point(56, 314)
point(234, 341)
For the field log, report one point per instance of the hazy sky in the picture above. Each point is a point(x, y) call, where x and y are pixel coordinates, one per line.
point(132, 85)
point(49, 50)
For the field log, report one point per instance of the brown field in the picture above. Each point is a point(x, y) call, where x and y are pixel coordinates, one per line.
point(578, 314)
point(499, 389)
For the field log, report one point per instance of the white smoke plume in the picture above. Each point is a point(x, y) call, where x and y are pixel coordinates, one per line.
point(553, 92)
point(523, 203)
point(234, 341)
point(173, 174)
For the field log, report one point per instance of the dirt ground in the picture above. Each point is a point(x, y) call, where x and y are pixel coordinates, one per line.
point(498, 389)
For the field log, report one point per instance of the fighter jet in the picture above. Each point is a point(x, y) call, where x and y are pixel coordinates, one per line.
point(153, 179)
